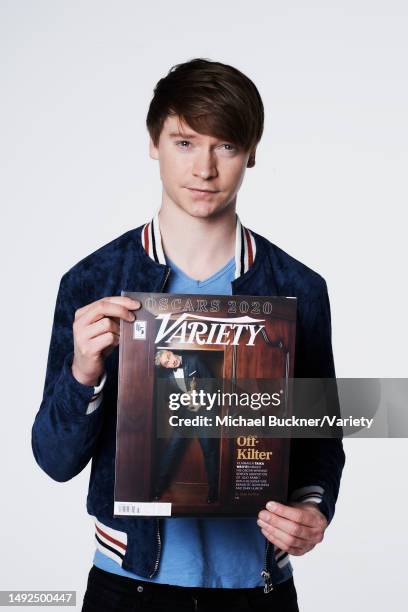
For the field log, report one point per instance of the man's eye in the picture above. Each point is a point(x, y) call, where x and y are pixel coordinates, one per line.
point(183, 142)
point(231, 147)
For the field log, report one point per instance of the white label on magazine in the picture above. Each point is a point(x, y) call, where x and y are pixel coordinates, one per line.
point(139, 330)
point(143, 508)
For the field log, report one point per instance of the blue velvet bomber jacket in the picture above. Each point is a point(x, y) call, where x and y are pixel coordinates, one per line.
point(67, 434)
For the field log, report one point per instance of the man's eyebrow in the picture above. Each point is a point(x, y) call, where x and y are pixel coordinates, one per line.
point(181, 135)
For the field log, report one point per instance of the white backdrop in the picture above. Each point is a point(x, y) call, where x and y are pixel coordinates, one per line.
point(329, 188)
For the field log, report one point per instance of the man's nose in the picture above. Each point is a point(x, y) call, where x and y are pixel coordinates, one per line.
point(205, 165)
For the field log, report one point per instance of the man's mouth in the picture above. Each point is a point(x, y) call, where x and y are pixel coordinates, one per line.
point(202, 190)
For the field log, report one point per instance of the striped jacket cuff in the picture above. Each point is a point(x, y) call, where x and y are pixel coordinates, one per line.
point(305, 494)
point(317, 494)
point(111, 542)
point(281, 557)
point(96, 399)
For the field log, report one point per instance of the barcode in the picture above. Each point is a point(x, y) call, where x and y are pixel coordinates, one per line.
point(129, 509)
point(143, 508)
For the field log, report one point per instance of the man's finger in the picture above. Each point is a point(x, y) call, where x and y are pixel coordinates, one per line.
point(275, 540)
point(295, 529)
point(298, 515)
point(106, 324)
point(123, 300)
point(291, 550)
point(281, 536)
point(100, 343)
point(105, 308)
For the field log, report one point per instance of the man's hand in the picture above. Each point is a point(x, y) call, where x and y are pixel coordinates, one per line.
point(96, 333)
point(295, 529)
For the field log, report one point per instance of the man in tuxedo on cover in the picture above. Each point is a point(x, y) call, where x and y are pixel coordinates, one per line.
point(181, 373)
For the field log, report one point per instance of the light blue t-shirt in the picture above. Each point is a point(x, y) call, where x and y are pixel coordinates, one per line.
point(205, 552)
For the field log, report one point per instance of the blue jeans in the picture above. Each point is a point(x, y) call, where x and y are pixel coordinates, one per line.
point(108, 592)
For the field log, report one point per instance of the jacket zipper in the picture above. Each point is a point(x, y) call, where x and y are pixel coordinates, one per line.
point(158, 537)
point(265, 573)
point(165, 279)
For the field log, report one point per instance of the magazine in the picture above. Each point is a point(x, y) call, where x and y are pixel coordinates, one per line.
point(199, 376)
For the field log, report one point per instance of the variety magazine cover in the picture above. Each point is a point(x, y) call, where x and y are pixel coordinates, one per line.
point(199, 376)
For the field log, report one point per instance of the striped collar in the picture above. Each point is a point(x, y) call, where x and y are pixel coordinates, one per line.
point(245, 245)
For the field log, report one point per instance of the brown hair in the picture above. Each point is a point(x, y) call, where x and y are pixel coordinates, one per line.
point(212, 98)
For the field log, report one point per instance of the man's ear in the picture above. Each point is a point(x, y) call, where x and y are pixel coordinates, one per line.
point(251, 159)
point(153, 150)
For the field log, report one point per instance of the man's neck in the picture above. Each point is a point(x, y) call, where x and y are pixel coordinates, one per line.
point(198, 246)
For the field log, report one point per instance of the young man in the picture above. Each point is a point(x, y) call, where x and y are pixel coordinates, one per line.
point(205, 122)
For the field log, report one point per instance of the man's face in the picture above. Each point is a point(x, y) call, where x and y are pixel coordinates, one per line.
point(201, 174)
point(169, 360)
